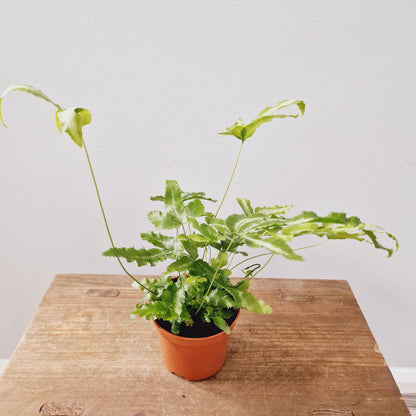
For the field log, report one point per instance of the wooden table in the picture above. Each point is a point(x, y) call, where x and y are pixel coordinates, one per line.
point(313, 356)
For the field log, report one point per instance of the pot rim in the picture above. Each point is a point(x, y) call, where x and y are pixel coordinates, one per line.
point(200, 339)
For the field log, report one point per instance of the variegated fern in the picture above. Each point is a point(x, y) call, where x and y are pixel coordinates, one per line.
point(202, 250)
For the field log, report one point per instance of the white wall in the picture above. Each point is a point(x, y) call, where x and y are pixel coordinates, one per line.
point(161, 79)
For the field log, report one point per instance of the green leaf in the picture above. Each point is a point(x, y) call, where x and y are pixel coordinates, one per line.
point(396, 242)
point(336, 225)
point(164, 220)
point(218, 224)
point(28, 89)
point(245, 205)
point(158, 240)
point(304, 216)
point(220, 261)
point(141, 256)
point(172, 217)
point(157, 198)
point(208, 232)
point(178, 300)
point(198, 238)
point(202, 269)
point(188, 196)
point(190, 247)
point(268, 111)
point(273, 244)
point(235, 129)
point(167, 305)
point(71, 121)
point(244, 131)
point(164, 241)
point(240, 223)
point(195, 209)
point(173, 199)
point(337, 218)
point(220, 298)
point(152, 283)
point(247, 300)
point(175, 329)
point(221, 324)
point(166, 301)
point(180, 265)
point(299, 229)
point(250, 129)
point(377, 244)
point(275, 210)
point(155, 310)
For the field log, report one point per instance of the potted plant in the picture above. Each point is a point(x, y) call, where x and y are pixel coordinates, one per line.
point(194, 304)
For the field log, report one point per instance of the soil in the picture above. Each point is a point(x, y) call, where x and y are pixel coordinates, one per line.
point(199, 329)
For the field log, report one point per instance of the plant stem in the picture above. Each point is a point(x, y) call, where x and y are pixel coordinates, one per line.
point(314, 245)
point(265, 264)
point(231, 178)
point(230, 261)
point(213, 278)
point(105, 218)
point(250, 258)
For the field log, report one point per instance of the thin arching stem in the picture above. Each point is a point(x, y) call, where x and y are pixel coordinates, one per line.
point(230, 262)
point(105, 218)
point(248, 259)
point(231, 179)
point(313, 245)
point(265, 265)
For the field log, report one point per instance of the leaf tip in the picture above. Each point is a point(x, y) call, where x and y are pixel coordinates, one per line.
point(301, 106)
point(1, 118)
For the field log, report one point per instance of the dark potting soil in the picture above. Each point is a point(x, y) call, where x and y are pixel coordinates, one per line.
point(199, 329)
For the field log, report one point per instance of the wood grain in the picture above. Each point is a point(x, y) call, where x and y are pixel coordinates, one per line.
point(314, 353)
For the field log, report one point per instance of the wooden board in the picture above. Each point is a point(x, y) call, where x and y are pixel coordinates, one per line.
point(313, 356)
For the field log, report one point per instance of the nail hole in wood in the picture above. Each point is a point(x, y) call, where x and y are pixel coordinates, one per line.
point(61, 409)
point(298, 298)
point(103, 293)
point(331, 412)
point(376, 349)
point(295, 298)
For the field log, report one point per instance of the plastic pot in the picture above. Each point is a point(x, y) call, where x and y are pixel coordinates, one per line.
point(193, 358)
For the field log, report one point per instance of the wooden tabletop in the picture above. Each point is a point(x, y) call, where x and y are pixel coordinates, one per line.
point(313, 356)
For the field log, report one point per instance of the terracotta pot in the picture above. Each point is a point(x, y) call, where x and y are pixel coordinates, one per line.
point(193, 358)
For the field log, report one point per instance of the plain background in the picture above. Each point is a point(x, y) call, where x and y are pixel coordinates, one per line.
point(161, 78)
